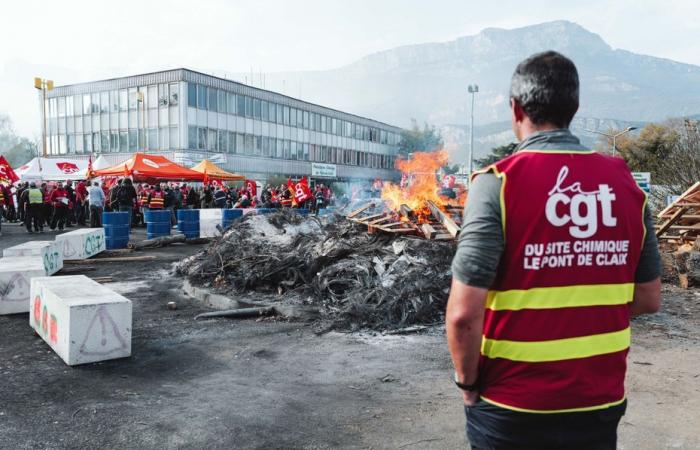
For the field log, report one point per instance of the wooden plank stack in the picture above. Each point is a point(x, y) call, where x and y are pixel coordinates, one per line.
point(680, 221)
point(442, 224)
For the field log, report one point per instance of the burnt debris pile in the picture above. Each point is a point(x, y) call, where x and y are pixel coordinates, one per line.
point(356, 280)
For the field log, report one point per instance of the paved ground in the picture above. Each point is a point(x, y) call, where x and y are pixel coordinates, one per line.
point(276, 385)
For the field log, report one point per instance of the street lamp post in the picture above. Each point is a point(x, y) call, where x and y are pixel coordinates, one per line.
point(472, 89)
point(614, 136)
point(43, 86)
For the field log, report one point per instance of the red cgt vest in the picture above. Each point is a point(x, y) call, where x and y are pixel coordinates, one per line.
point(556, 328)
point(157, 200)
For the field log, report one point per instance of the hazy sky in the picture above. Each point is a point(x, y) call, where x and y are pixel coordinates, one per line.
point(73, 41)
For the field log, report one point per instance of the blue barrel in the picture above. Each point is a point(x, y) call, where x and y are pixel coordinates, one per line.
point(265, 210)
point(116, 226)
point(188, 222)
point(157, 222)
point(302, 211)
point(229, 215)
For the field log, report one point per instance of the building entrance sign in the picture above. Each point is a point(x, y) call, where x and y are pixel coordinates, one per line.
point(324, 170)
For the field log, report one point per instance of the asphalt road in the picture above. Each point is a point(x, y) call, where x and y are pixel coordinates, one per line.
point(271, 384)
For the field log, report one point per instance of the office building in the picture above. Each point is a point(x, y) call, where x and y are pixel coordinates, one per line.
point(188, 116)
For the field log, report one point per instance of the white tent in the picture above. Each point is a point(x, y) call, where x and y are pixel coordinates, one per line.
point(53, 169)
point(101, 163)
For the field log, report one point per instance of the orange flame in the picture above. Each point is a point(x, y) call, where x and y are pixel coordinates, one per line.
point(422, 186)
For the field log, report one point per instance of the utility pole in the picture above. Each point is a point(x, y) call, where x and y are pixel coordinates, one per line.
point(472, 89)
point(43, 86)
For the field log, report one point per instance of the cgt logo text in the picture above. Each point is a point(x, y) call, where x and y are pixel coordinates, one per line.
point(582, 216)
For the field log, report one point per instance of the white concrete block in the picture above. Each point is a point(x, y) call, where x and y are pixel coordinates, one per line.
point(82, 320)
point(208, 220)
point(211, 213)
point(83, 243)
point(49, 252)
point(16, 274)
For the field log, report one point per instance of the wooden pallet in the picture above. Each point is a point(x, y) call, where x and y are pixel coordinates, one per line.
point(680, 221)
point(440, 227)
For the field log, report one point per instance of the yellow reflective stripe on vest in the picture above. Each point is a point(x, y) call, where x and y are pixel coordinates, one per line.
point(560, 297)
point(557, 349)
point(555, 411)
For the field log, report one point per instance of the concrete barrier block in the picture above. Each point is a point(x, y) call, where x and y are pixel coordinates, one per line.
point(83, 243)
point(208, 220)
point(49, 252)
point(16, 273)
point(81, 320)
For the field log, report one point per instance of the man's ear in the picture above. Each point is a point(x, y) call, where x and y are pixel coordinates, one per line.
point(517, 111)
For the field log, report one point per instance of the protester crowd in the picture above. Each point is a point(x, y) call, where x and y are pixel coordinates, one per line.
point(63, 205)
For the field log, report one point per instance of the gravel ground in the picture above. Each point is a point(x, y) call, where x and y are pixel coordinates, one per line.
point(273, 384)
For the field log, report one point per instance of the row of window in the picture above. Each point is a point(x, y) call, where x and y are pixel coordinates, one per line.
point(154, 96)
point(217, 100)
point(115, 141)
point(122, 120)
point(247, 144)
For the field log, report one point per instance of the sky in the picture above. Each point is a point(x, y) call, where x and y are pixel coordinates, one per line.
point(75, 41)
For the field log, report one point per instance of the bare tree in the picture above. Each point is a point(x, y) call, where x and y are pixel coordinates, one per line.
point(680, 168)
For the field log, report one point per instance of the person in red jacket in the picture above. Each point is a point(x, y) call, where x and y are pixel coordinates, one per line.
point(60, 202)
point(81, 195)
point(156, 199)
point(47, 210)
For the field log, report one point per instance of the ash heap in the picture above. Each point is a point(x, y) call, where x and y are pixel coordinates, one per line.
point(355, 279)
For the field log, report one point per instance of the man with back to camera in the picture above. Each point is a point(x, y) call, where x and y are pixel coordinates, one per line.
point(556, 253)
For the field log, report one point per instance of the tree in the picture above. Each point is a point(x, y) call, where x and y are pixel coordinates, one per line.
point(16, 149)
point(670, 152)
point(497, 154)
point(646, 152)
point(426, 140)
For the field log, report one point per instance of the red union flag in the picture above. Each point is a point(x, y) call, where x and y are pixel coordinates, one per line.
point(90, 173)
point(7, 175)
point(301, 191)
point(67, 167)
point(448, 181)
point(252, 186)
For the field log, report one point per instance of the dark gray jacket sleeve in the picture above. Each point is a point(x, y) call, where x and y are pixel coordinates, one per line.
point(481, 241)
point(649, 266)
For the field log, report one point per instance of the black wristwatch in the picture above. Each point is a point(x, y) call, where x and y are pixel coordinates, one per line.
point(466, 387)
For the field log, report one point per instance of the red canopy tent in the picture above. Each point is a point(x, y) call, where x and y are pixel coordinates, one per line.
point(150, 168)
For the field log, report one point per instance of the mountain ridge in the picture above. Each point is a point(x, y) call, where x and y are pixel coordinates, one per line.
point(428, 82)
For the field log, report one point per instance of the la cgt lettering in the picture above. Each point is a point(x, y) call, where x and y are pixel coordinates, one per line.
point(582, 207)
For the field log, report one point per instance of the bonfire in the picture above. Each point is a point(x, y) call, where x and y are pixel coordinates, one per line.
point(415, 206)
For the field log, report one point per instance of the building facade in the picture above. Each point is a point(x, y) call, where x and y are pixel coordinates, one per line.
point(188, 116)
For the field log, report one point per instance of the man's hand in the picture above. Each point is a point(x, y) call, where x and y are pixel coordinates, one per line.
point(464, 321)
point(470, 397)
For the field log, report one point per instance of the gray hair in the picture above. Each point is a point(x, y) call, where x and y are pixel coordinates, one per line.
point(546, 86)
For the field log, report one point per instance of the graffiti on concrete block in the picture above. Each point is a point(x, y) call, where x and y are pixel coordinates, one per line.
point(37, 312)
point(53, 330)
point(16, 289)
point(51, 260)
point(69, 250)
point(102, 337)
point(45, 322)
point(93, 244)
